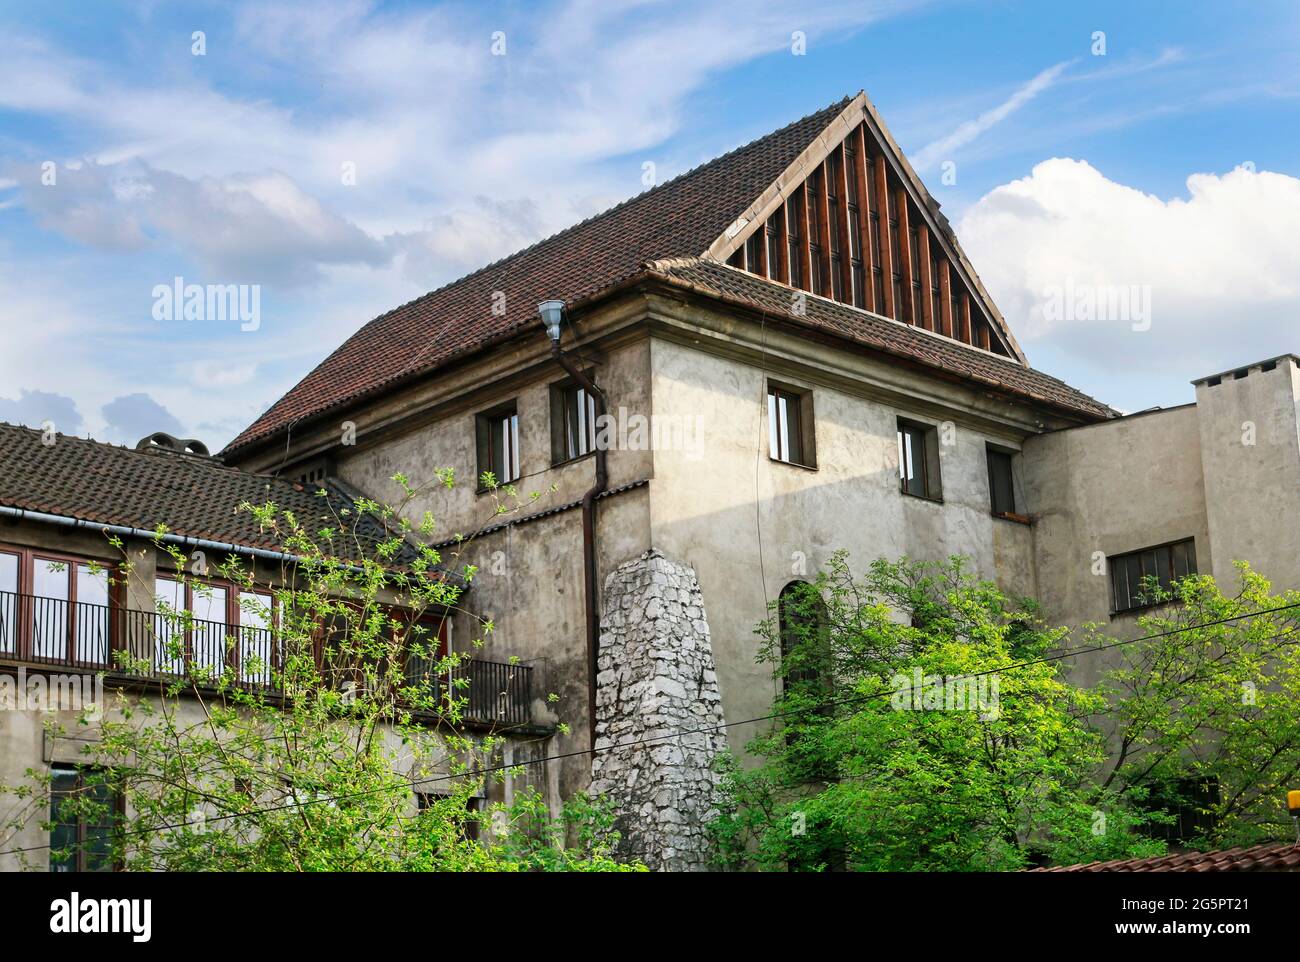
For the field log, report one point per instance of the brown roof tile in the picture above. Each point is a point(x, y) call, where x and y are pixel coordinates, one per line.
point(194, 497)
point(1269, 857)
point(680, 217)
point(881, 333)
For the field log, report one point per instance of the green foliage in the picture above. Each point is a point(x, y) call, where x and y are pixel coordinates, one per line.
point(1200, 720)
point(319, 771)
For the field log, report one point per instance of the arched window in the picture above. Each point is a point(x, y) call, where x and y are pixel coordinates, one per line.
point(802, 624)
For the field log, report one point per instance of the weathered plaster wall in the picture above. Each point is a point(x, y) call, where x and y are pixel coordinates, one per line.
point(530, 575)
point(1110, 488)
point(1250, 453)
point(749, 525)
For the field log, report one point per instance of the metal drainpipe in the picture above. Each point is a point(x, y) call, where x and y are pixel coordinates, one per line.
point(590, 579)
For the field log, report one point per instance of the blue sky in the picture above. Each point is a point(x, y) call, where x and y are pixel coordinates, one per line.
point(1167, 166)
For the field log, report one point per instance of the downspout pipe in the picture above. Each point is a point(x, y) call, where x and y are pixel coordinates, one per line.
point(591, 581)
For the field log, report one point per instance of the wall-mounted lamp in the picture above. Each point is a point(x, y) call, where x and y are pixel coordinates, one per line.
point(552, 313)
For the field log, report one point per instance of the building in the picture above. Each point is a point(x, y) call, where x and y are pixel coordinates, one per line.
point(780, 354)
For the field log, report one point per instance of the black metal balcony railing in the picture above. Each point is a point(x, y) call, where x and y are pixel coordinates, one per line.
point(86, 637)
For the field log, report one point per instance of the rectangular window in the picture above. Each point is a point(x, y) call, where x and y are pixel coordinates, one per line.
point(84, 811)
point(69, 606)
point(497, 436)
point(1002, 496)
point(9, 563)
point(918, 460)
point(834, 174)
point(754, 250)
point(573, 422)
point(1134, 574)
point(469, 828)
point(772, 234)
point(258, 657)
point(896, 253)
point(815, 214)
point(789, 425)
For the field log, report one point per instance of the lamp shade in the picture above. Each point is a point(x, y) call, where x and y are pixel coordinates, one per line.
point(552, 313)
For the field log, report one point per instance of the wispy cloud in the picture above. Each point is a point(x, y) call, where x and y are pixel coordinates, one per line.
point(943, 148)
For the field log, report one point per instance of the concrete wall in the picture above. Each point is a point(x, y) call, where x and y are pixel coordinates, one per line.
point(1250, 453)
point(749, 525)
point(1110, 488)
point(530, 575)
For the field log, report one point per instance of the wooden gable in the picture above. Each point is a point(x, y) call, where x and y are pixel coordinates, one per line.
point(850, 220)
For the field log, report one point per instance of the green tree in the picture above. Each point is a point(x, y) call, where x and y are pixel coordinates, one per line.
point(1206, 714)
point(879, 763)
point(318, 770)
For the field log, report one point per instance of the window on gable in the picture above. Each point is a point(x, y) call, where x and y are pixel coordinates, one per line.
point(834, 171)
point(573, 422)
point(84, 813)
point(873, 233)
point(756, 252)
point(918, 460)
point(1002, 495)
point(771, 234)
point(497, 434)
point(790, 425)
point(816, 213)
point(794, 227)
point(1131, 573)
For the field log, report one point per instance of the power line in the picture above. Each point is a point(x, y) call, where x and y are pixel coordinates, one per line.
point(576, 753)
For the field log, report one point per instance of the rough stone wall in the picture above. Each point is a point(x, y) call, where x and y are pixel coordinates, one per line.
point(656, 678)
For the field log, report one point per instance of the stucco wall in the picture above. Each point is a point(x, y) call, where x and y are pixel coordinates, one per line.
point(1251, 463)
point(749, 525)
point(1114, 487)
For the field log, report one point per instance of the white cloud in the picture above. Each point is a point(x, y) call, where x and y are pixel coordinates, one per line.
point(943, 148)
point(256, 228)
point(1221, 265)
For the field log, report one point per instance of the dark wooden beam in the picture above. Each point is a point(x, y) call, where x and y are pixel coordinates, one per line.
point(805, 238)
point(824, 233)
point(945, 298)
point(965, 319)
point(870, 296)
point(927, 298)
point(846, 250)
point(782, 247)
point(906, 268)
point(886, 249)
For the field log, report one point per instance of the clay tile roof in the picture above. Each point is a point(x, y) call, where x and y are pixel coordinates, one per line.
point(1269, 857)
point(680, 217)
point(195, 497)
point(880, 333)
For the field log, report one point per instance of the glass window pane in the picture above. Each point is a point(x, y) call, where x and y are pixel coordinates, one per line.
point(208, 639)
point(8, 603)
point(50, 584)
point(92, 615)
point(773, 433)
point(168, 630)
point(63, 831)
point(255, 638)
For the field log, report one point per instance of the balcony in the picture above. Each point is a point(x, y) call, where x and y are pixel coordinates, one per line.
point(75, 636)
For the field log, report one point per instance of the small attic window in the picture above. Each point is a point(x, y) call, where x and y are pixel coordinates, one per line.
point(1213, 382)
point(1268, 366)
